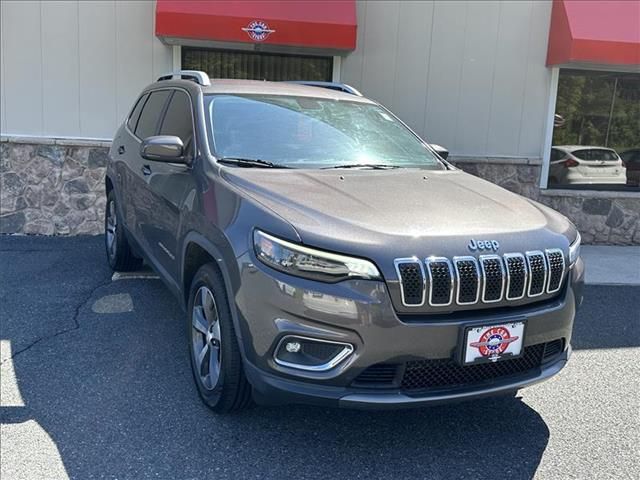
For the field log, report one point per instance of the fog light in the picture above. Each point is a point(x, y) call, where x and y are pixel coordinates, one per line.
point(293, 347)
point(311, 354)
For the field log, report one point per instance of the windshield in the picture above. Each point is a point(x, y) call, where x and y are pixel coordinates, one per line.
point(302, 132)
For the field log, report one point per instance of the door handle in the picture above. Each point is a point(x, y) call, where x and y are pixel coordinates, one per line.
point(146, 170)
point(121, 149)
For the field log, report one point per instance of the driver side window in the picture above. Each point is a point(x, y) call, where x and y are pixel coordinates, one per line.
point(178, 120)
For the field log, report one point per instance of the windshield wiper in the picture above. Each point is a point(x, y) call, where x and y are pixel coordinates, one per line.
point(250, 162)
point(373, 166)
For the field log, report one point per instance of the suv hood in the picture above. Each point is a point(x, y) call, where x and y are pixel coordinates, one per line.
point(405, 208)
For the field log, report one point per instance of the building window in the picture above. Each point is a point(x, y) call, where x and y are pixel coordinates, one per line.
point(257, 65)
point(596, 134)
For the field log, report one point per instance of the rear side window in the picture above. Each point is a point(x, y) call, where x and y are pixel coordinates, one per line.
point(177, 120)
point(595, 154)
point(151, 112)
point(135, 115)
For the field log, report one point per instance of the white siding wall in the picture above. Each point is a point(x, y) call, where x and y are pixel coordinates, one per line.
point(74, 68)
point(468, 75)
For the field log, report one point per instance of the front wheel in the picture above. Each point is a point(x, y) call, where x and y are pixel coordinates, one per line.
point(216, 362)
point(119, 254)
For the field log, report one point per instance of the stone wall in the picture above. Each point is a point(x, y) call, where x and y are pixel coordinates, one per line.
point(52, 187)
point(56, 187)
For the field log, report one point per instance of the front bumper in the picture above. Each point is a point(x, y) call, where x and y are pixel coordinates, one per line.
point(271, 389)
point(271, 305)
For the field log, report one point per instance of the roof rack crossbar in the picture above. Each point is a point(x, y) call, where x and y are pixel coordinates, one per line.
point(201, 78)
point(341, 87)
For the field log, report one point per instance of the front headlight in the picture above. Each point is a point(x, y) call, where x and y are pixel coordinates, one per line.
point(308, 262)
point(574, 250)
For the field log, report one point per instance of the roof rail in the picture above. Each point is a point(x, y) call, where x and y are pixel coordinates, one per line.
point(341, 87)
point(201, 78)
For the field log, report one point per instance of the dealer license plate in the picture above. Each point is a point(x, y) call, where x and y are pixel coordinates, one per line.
point(491, 343)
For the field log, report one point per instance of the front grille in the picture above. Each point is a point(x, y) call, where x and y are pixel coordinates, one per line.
point(516, 275)
point(494, 278)
point(537, 273)
point(440, 281)
point(446, 373)
point(488, 279)
point(468, 278)
point(412, 281)
point(555, 259)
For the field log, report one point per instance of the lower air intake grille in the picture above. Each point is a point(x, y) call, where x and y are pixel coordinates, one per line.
point(555, 258)
point(551, 349)
point(412, 282)
point(447, 373)
point(440, 281)
point(379, 375)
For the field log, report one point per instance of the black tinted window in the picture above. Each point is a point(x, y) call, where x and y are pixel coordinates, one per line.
point(177, 120)
point(151, 114)
point(556, 154)
point(595, 154)
point(135, 115)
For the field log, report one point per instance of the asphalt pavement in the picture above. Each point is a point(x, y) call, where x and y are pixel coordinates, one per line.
point(96, 383)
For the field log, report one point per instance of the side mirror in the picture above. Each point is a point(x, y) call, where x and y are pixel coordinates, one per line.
point(163, 148)
point(443, 152)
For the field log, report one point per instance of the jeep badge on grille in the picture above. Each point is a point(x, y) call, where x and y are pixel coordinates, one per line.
point(475, 245)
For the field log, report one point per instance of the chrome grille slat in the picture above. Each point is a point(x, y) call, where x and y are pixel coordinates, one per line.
point(467, 280)
point(556, 266)
point(440, 281)
point(412, 281)
point(537, 264)
point(517, 274)
point(486, 279)
point(493, 275)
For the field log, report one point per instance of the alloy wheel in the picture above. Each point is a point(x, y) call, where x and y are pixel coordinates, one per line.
point(111, 229)
point(206, 338)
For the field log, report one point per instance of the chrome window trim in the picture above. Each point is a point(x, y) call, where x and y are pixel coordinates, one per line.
point(528, 256)
point(428, 261)
point(484, 277)
point(466, 258)
point(399, 261)
point(507, 256)
point(564, 268)
point(347, 350)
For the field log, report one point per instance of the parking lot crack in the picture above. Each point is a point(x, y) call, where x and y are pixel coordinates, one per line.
point(75, 324)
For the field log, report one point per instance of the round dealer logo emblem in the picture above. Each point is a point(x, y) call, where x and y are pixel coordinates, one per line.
point(258, 30)
point(494, 342)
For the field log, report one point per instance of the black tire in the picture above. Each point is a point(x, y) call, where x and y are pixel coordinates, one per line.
point(229, 391)
point(119, 254)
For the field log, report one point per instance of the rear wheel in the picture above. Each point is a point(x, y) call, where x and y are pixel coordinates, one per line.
point(119, 254)
point(216, 362)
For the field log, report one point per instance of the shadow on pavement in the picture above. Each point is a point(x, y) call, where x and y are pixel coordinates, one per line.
point(116, 396)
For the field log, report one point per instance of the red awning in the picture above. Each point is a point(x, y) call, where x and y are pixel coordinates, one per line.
point(329, 25)
point(605, 32)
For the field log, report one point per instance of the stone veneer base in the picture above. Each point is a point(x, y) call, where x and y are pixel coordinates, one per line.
point(56, 187)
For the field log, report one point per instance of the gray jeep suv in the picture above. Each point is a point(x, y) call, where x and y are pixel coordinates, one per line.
point(325, 254)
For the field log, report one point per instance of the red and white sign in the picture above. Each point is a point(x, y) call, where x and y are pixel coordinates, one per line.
point(493, 342)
